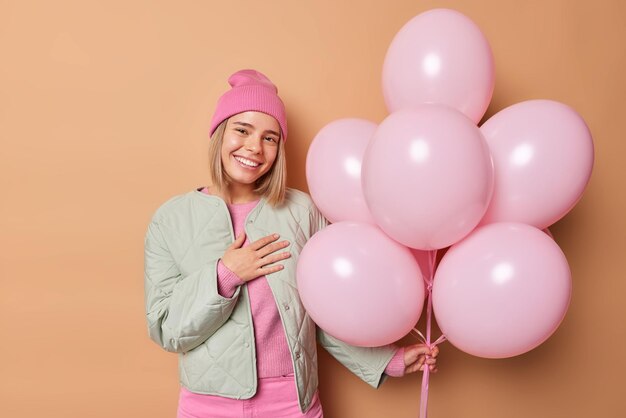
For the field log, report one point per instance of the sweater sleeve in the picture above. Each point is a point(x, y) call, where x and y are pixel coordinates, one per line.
point(182, 310)
point(227, 281)
point(396, 367)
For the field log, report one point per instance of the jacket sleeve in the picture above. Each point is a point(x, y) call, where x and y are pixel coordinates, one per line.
point(182, 310)
point(368, 363)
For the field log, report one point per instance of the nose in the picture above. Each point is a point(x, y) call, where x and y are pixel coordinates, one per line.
point(253, 143)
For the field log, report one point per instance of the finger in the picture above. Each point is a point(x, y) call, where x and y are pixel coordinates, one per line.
point(413, 356)
point(261, 242)
point(273, 258)
point(422, 349)
point(420, 361)
point(411, 353)
point(411, 369)
point(268, 249)
point(431, 361)
point(268, 270)
point(241, 238)
point(435, 351)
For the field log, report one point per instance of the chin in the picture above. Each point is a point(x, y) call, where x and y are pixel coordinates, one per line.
point(243, 179)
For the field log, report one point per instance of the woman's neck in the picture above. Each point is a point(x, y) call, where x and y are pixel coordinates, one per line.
point(234, 195)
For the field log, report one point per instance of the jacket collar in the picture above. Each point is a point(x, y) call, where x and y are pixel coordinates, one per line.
point(217, 201)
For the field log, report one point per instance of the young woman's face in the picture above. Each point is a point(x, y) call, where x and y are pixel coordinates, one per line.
point(250, 146)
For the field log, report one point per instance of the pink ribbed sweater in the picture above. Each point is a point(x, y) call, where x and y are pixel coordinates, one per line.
point(273, 357)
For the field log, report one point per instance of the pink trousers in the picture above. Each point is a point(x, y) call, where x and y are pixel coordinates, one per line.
point(275, 397)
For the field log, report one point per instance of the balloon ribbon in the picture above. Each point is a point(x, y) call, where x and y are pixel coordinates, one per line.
point(432, 256)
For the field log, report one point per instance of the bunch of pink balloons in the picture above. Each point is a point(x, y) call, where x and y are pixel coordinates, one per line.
point(428, 178)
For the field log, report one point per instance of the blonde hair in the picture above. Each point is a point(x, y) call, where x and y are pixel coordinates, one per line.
point(271, 185)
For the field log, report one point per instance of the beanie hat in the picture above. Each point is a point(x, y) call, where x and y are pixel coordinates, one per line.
point(250, 90)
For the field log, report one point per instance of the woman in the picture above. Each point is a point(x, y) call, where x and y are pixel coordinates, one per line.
point(221, 288)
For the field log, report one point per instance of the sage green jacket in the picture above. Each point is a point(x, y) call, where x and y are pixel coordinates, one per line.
point(212, 334)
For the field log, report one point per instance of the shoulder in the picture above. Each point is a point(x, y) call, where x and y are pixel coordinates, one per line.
point(311, 218)
point(177, 204)
point(295, 197)
point(300, 202)
point(170, 205)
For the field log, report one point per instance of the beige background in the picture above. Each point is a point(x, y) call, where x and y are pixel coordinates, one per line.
point(104, 108)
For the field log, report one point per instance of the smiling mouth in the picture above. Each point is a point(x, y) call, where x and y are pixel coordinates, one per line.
point(244, 162)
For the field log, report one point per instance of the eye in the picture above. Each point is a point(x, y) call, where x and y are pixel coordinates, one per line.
point(271, 138)
point(243, 131)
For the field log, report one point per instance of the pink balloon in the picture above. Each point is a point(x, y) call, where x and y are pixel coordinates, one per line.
point(423, 260)
point(543, 156)
point(502, 291)
point(548, 232)
point(440, 56)
point(333, 169)
point(427, 176)
point(359, 285)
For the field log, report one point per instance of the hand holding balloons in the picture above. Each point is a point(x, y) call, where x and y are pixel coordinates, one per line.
point(430, 179)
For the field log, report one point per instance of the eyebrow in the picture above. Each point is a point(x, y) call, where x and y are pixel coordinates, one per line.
point(252, 126)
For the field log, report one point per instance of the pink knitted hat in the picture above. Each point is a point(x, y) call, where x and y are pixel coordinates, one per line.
point(251, 90)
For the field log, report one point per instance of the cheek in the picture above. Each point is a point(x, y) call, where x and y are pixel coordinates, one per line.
point(224, 155)
point(271, 153)
point(228, 146)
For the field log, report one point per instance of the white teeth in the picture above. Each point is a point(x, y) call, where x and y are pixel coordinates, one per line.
point(246, 162)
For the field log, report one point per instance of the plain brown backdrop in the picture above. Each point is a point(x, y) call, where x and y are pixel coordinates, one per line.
point(104, 109)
